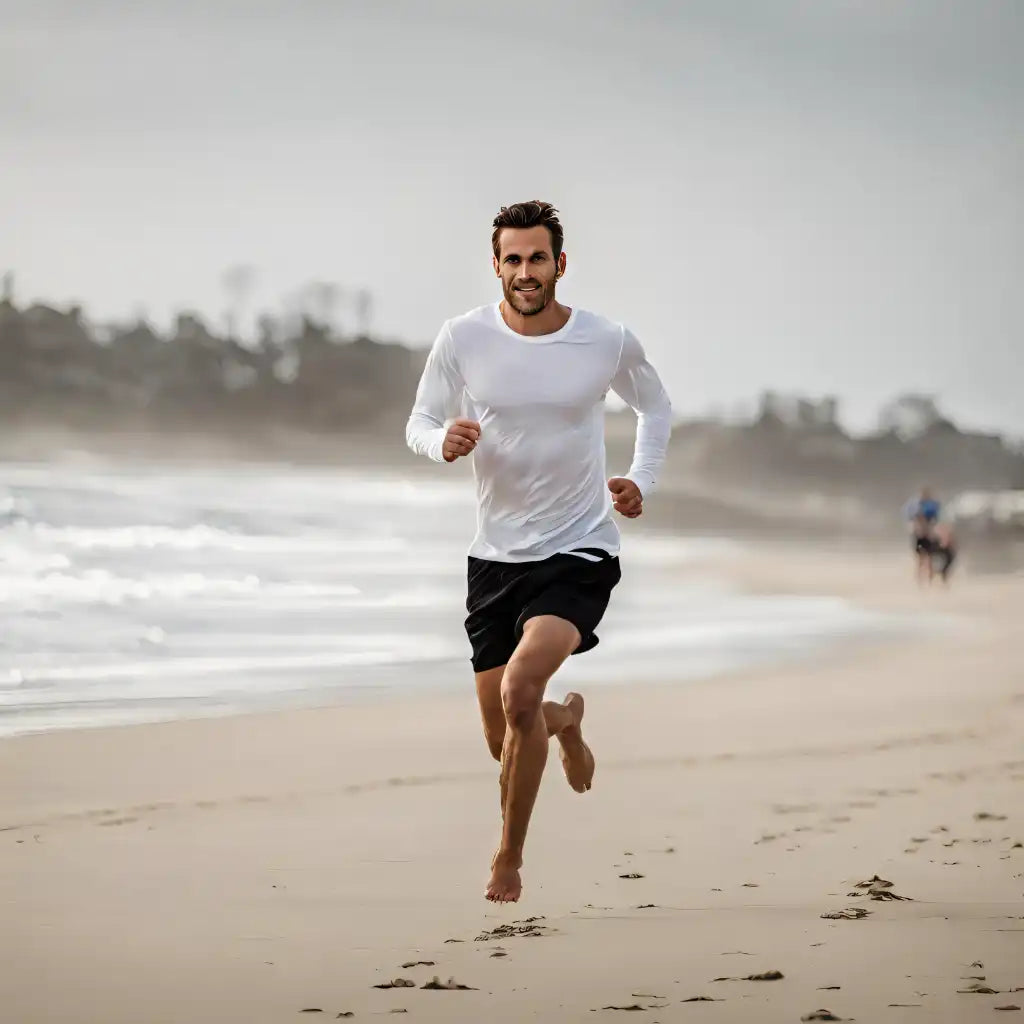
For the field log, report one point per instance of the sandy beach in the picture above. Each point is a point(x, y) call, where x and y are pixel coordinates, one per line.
point(255, 867)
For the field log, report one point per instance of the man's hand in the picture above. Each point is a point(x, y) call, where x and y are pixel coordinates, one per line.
point(626, 497)
point(461, 439)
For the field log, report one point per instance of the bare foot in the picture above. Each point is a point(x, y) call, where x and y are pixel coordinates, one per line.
point(577, 760)
point(505, 885)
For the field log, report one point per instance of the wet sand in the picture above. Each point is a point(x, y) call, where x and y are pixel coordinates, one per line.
point(281, 866)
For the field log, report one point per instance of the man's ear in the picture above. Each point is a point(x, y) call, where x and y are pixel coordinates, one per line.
point(561, 266)
point(494, 263)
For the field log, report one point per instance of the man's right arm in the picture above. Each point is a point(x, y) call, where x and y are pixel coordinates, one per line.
point(438, 399)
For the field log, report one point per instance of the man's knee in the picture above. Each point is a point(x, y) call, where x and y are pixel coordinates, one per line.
point(522, 692)
point(547, 641)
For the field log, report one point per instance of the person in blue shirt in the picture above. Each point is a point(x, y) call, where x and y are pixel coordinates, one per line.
point(923, 515)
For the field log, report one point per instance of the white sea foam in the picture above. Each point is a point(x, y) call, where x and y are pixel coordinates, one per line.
point(138, 593)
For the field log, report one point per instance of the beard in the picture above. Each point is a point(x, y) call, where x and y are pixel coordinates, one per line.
point(531, 303)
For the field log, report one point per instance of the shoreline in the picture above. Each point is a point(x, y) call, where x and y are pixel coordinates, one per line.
point(773, 573)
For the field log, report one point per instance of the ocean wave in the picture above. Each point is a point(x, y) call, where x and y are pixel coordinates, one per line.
point(200, 676)
point(246, 487)
point(191, 538)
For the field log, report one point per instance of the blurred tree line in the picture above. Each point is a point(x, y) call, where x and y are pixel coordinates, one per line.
point(298, 368)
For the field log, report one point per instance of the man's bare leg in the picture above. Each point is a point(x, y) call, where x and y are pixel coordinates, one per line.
point(563, 721)
point(547, 641)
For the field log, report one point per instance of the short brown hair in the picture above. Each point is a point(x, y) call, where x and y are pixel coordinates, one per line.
point(529, 215)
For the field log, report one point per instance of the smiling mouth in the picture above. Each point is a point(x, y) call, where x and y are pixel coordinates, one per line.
point(528, 288)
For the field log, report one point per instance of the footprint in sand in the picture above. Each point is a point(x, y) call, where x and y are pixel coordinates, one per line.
point(849, 914)
point(527, 928)
point(979, 988)
point(881, 895)
point(766, 976)
point(450, 985)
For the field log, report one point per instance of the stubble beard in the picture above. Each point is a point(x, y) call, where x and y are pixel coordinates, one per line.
point(532, 304)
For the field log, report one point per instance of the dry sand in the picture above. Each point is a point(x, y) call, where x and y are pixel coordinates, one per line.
point(250, 868)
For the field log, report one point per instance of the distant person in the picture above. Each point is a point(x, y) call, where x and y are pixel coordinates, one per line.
point(520, 385)
point(923, 513)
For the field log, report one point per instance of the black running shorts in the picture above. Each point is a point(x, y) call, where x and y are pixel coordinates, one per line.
point(503, 595)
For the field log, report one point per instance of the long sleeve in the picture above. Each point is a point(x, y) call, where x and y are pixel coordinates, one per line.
point(438, 399)
point(637, 383)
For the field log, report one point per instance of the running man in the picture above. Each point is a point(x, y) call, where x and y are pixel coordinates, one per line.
point(520, 385)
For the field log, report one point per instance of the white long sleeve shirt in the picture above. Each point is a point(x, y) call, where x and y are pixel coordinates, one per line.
point(540, 402)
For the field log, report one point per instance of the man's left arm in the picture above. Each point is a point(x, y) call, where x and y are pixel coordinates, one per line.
point(637, 383)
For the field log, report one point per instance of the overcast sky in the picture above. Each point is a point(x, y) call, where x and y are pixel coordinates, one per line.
point(815, 195)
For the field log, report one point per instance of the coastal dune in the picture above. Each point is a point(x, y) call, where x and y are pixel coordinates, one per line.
point(279, 866)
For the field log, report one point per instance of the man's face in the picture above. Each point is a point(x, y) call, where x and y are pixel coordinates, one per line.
point(527, 268)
